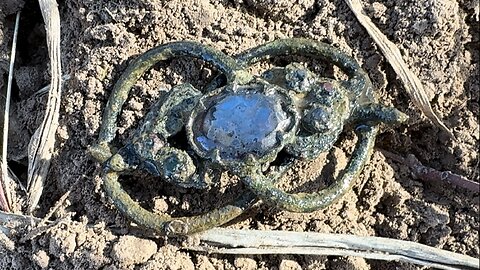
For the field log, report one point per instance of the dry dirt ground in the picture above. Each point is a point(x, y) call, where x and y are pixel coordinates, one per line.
point(439, 40)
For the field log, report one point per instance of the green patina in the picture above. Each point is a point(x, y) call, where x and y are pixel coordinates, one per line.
point(314, 112)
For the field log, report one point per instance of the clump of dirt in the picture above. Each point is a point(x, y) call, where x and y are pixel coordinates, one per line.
point(438, 39)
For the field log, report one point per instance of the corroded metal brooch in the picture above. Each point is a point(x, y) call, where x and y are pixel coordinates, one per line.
point(239, 123)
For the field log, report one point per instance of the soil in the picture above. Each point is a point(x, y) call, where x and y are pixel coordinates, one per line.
point(439, 40)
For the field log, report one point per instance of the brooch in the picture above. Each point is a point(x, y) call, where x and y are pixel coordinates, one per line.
point(239, 123)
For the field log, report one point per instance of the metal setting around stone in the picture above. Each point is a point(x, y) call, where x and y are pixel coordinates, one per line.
point(239, 121)
point(240, 125)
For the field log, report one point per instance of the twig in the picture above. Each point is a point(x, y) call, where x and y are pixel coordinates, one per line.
point(5, 193)
point(10, 220)
point(57, 204)
point(7, 220)
point(39, 230)
point(7, 242)
point(410, 81)
point(42, 143)
point(427, 174)
point(230, 241)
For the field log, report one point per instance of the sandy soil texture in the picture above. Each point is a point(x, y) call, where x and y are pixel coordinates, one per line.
point(439, 40)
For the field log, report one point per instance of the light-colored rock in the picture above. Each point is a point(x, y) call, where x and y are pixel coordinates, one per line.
point(132, 250)
point(41, 259)
point(245, 263)
point(289, 265)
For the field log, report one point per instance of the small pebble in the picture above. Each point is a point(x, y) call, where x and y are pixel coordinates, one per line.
point(132, 250)
point(41, 259)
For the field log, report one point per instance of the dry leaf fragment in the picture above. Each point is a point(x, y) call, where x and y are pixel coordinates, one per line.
point(232, 241)
point(41, 145)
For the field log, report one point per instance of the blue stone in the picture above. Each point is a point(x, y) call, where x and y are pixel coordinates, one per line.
point(243, 123)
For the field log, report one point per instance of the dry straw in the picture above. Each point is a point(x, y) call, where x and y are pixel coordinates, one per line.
point(42, 143)
point(6, 181)
point(410, 81)
point(253, 242)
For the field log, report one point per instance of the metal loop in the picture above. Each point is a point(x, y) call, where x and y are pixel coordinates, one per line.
point(147, 60)
point(358, 81)
point(309, 202)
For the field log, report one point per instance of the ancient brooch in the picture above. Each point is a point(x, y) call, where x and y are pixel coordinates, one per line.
point(239, 123)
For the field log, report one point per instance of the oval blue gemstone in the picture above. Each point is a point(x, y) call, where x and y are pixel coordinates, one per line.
point(243, 123)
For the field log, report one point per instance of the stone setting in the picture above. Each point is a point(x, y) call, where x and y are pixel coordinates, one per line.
point(241, 122)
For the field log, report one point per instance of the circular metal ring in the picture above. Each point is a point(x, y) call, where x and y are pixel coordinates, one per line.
point(358, 81)
point(309, 202)
point(164, 223)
